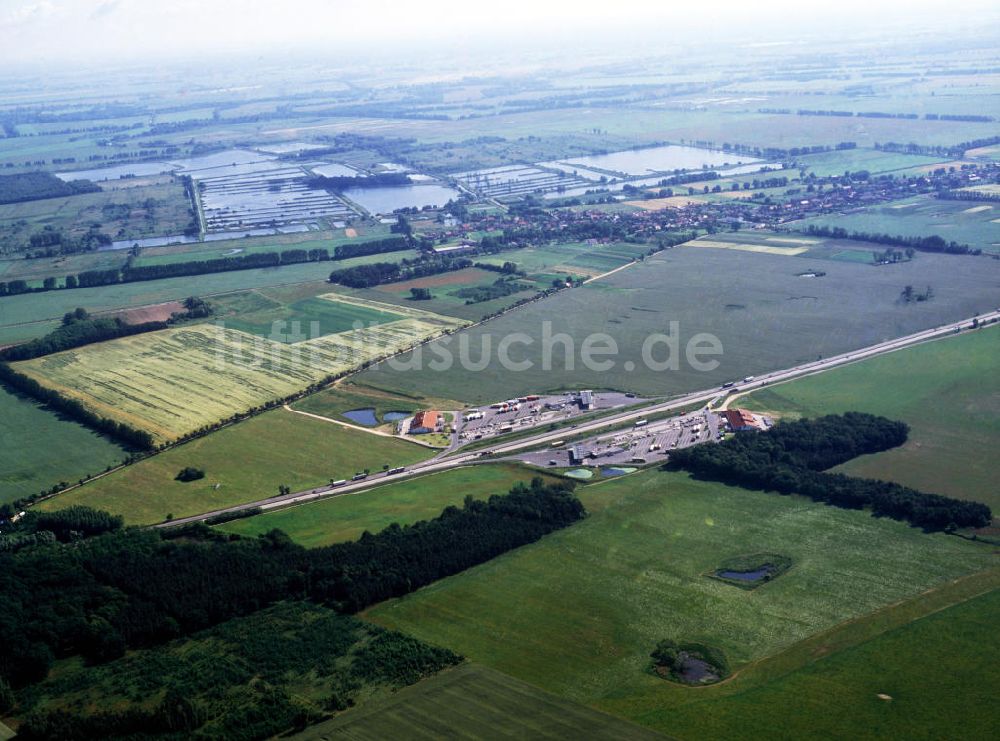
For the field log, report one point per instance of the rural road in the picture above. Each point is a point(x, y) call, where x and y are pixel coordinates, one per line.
point(447, 461)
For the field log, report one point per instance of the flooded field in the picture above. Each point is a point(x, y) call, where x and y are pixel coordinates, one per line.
point(515, 180)
point(261, 199)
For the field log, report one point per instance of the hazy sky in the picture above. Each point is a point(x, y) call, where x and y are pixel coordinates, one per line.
point(33, 31)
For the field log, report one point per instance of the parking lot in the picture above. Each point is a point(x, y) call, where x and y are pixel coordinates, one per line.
point(530, 412)
point(642, 444)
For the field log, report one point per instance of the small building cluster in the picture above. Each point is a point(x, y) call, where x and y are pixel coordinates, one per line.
point(741, 420)
point(426, 422)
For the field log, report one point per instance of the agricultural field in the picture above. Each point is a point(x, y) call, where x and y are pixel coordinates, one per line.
point(30, 315)
point(948, 391)
point(578, 613)
point(265, 313)
point(177, 380)
point(965, 222)
point(39, 449)
point(876, 686)
point(853, 160)
point(763, 308)
point(344, 518)
point(248, 461)
point(451, 704)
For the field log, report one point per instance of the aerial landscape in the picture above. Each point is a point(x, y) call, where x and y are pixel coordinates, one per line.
point(376, 370)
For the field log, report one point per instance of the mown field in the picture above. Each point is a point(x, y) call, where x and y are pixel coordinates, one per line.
point(578, 613)
point(948, 391)
point(965, 222)
point(764, 313)
point(248, 461)
point(345, 518)
point(39, 449)
point(176, 380)
point(472, 701)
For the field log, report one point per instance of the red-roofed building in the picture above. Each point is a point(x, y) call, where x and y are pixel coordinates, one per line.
point(426, 422)
point(740, 420)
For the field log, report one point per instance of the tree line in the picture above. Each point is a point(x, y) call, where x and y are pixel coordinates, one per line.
point(35, 186)
point(132, 273)
point(933, 243)
point(78, 328)
point(378, 273)
point(792, 458)
point(133, 588)
point(340, 183)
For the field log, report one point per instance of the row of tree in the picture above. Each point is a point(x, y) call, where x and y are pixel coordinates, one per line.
point(792, 458)
point(132, 273)
point(132, 437)
point(933, 243)
point(378, 273)
point(133, 588)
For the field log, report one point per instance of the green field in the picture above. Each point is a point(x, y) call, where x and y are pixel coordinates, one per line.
point(948, 391)
point(259, 314)
point(763, 312)
point(38, 449)
point(853, 160)
point(962, 221)
point(470, 702)
point(177, 380)
point(940, 672)
point(248, 461)
point(579, 612)
point(345, 518)
point(346, 397)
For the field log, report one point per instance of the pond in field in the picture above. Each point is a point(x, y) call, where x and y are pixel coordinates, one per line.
point(387, 199)
point(637, 162)
point(394, 416)
point(364, 417)
point(617, 471)
point(580, 473)
point(755, 575)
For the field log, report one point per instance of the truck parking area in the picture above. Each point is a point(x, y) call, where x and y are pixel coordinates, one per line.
point(642, 444)
point(528, 412)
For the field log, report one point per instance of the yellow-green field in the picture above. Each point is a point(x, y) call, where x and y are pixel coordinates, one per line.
point(770, 249)
point(177, 380)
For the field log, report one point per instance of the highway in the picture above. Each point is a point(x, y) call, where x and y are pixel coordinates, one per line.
point(458, 458)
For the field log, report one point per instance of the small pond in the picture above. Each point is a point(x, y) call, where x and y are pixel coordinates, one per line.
point(616, 471)
point(696, 671)
point(364, 417)
point(394, 416)
point(580, 473)
point(755, 575)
